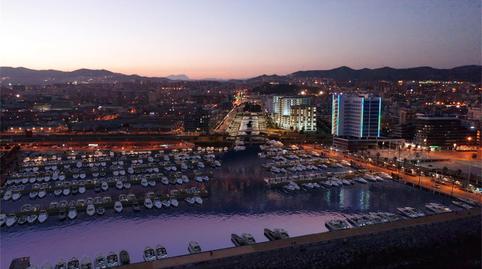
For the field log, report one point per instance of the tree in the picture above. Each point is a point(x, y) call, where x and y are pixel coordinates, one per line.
point(445, 170)
point(378, 156)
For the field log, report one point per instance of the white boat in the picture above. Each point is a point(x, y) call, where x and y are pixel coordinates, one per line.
point(179, 181)
point(149, 254)
point(174, 202)
point(152, 183)
point(199, 178)
point(104, 186)
point(144, 182)
point(206, 178)
point(7, 195)
point(361, 180)
point(119, 185)
point(194, 247)
point(72, 213)
point(82, 188)
point(127, 185)
point(100, 262)
point(190, 200)
point(161, 252)
point(42, 217)
point(58, 192)
point(32, 218)
point(90, 210)
point(33, 194)
point(66, 191)
point(11, 220)
point(166, 203)
point(118, 206)
point(157, 203)
point(185, 179)
point(164, 180)
point(73, 263)
point(148, 203)
point(42, 193)
point(112, 260)
point(198, 200)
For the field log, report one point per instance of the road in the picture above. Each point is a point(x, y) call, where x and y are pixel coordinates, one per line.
point(423, 181)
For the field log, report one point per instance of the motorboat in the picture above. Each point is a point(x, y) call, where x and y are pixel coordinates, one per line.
point(60, 265)
point(32, 218)
point(66, 191)
point(72, 213)
point(144, 182)
point(148, 203)
point(361, 180)
point(410, 212)
point(337, 224)
point(124, 257)
point(190, 200)
point(62, 214)
point(157, 203)
point(174, 202)
point(118, 206)
point(164, 180)
point(86, 263)
point(100, 262)
point(73, 263)
point(166, 203)
point(90, 210)
point(3, 219)
point(161, 252)
point(276, 234)
point(194, 247)
point(248, 238)
point(112, 260)
point(127, 185)
point(198, 200)
point(81, 188)
point(7, 195)
point(179, 181)
point(119, 185)
point(152, 183)
point(16, 195)
point(43, 215)
point(461, 204)
point(10, 220)
point(100, 211)
point(42, 193)
point(238, 240)
point(136, 207)
point(149, 254)
point(438, 208)
point(104, 186)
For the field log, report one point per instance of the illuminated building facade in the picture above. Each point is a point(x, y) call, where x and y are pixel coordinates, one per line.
point(294, 113)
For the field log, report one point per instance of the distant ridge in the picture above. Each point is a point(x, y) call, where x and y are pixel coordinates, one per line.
point(472, 73)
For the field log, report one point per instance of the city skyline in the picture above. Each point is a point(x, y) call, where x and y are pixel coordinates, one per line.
point(238, 40)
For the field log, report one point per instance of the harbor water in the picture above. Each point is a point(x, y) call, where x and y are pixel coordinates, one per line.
point(239, 201)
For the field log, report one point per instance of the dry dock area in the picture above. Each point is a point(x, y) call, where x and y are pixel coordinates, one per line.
point(405, 241)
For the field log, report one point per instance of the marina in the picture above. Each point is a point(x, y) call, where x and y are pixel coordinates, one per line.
point(237, 200)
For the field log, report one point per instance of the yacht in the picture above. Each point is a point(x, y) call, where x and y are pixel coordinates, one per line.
point(90, 210)
point(148, 203)
point(33, 194)
point(72, 213)
point(164, 180)
point(86, 263)
point(42, 193)
point(190, 200)
point(238, 240)
point(104, 186)
point(174, 202)
point(10, 220)
point(100, 211)
point(161, 252)
point(152, 183)
point(62, 213)
point(124, 257)
point(198, 200)
point(66, 190)
point(437, 208)
point(100, 262)
point(42, 217)
point(461, 204)
point(119, 185)
point(157, 203)
point(118, 206)
point(194, 247)
point(275, 234)
point(7, 195)
point(248, 238)
point(60, 265)
point(112, 260)
point(149, 254)
point(337, 224)
point(32, 218)
point(127, 185)
point(16, 195)
point(144, 182)
point(185, 179)
point(81, 188)
point(361, 180)
point(410, 212)
point(166, 203)
point(179, 181)
point(199, 178)
point(73, 263)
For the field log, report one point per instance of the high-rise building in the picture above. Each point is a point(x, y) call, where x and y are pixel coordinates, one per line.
point(356, 115)
point(294, 112)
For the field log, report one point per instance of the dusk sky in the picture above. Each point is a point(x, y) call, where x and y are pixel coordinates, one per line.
point(238, 39)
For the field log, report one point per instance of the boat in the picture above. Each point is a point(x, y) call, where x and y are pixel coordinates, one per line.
point(148, 203)
point(361, 180)
point(157, 203)
point(410, 212)
point(10, 220)
point(81, 188)
point(118, 206)
point(152, 183)
point(149, 254)
point(72, 213)
point(73, 263)
point(100, 211)
point(136, 207)
point(42, 217)
point(33, 194)
point(119, 185)
point(179, 181)
point(32, 218)
point(164, 180)
point(104, 186)
point(3, 219)
point(112, 260)
point(337, 224)
point(42, 193)
point(248, 238)
point(86, 263)
point(58, 192)
point(16, 195)
point(90, 210)
point(194, 247)
point(174, 202)
point(127, 185)
point(100, 262)
point(437, 208)
point(7, 195)
point(198, 200)
point(60, 265)
point(190, 200)
point(166, 203)
point(124, 257)
point(461, 204)
point(238, 240)
point(144, 182)
point(275, 234)
point(161, 252)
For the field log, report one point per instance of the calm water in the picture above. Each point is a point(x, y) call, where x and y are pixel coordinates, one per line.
point(239, 202)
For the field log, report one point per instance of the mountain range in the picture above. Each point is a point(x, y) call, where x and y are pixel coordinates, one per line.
point(21, 75)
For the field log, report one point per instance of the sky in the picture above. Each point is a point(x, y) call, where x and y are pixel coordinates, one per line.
point(238, 38)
